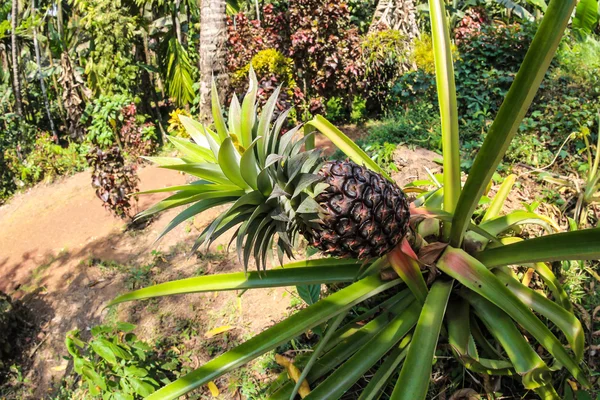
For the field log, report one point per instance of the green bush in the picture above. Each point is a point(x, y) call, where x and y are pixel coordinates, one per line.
point(46, 161)
point(418, 125)
point(114, 364)
point(103, 117)
point(386, 56)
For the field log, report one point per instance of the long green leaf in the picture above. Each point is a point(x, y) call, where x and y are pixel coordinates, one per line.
point(198, 187)
point(526, 361)
point(446, 89)
point(408, 270)
point(217, 112)
point(274, 336)
point(511, 113)
point(378, 382)
point(474, 275)
point(463, 345)
point(344, 143)
point(498, 201)
point(229, 161)
point(192, 151)
point(248, 113)
point(331, 328)
point(564, 320)
point(182, 198)
point(553, 285)
point(193, 210)
point(352, 370)
point(197, 131)
point(210, 172)
point(248, 167)
point(586, 17)
point(576, 245)
point(263, 125)
point(289, 275)
point(415, 375)
point(349, 345)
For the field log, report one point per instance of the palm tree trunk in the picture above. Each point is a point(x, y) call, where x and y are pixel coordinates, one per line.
point(38, 61)
point(59, 18)
point(213, 35)
point(177, 22)
point(15, 57)
point(398, 15)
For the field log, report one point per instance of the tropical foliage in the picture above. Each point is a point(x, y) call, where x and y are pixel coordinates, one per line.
point(470, 290)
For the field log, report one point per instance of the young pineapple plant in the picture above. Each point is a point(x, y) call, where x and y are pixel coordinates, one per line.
point(451, 270)
point(278, 191)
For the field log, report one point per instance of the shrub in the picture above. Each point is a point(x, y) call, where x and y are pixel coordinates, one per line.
point(115, 120)
point(245, 37)
point(325, 49)
point(175, 127)
point(115, 364)
point(272, 69)
point(46, 161)
point(113, 179)
point(386, 55)
point(470, 24)
point(422, 53)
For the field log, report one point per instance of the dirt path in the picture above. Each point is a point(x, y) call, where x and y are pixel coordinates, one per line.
point(57, 246)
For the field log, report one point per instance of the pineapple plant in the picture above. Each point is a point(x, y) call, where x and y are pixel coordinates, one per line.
point(493, 322)
point(277, 191)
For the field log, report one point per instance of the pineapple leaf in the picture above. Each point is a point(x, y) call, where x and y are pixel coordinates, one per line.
point(344, 143)
point(213, 144)
point(576, 245)
point(248, 116)
point(248, 166)
point(274, 137)
point(182, 198)
point(193, 210)
point(162, 161)
point(192, 151)
point(309, 206)
point(563, 319)
point(197, 131)
point(304, 182)
point(280, 333)
point(476, 276)
point(264, 124)
point(416, 372)
point(272, 159)
point(234, 117)
point(229, 161)
point(199, 186)
point(210, 172)
point(524, 359)
point(217, 113)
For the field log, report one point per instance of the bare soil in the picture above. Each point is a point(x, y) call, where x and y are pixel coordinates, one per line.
point(55, 244)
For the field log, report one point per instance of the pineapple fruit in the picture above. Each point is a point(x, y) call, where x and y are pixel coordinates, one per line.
point(277, 190)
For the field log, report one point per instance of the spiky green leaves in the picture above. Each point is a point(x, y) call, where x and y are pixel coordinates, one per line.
point(267, 176)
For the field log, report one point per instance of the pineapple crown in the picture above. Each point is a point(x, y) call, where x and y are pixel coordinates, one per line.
point(270, 182)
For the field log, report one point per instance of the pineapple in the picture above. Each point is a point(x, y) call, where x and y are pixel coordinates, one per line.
point(277, 190)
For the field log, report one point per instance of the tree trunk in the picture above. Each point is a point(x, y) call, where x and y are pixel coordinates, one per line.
point(38, 61)
point(176, 22)
point(59, 18)
point(213, 35)
point(15, 58)
point(398, 15)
